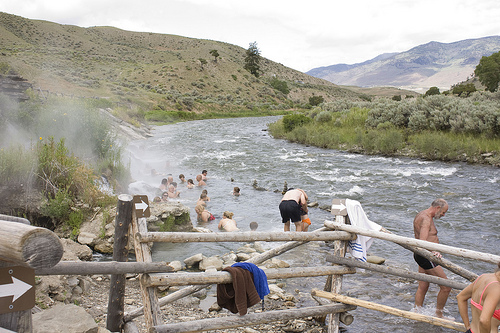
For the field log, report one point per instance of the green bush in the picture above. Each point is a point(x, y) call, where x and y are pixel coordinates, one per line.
point(294, 120)
point(279, 85)
point(323, 117)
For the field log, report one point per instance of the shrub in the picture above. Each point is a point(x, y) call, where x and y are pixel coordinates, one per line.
point(323, 117)
point(294, 120)
point(279, 85)
point(316, 100)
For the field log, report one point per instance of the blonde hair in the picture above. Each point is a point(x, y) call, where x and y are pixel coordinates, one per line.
point(227, 214)
point(199, 208)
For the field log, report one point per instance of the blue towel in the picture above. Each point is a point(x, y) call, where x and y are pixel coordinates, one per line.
point(259, 277)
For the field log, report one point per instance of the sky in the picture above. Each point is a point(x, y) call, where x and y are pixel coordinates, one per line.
point(298, 34)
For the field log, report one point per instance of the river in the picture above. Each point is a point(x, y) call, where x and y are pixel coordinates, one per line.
point(392, 190)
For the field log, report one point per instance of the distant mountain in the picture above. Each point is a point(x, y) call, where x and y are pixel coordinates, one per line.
point(432, 64)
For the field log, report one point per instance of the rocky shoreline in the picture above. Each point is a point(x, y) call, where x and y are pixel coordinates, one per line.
point(62, 298)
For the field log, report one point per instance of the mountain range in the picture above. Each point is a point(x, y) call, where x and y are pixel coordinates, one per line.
point(429, 65)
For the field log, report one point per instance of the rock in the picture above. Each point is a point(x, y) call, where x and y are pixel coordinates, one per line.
point(74, 251)
point(176, 265)
point(211, 261)
point(230, 257)
point(201, 229)
point(63, 319)
point(313, 204)
point(214, 308)
point(295, 326)
point(247, 248)
point(276, 263)
point(375, 260)
point(258, 247)
point(86, 238)
point(188, 301)
point(243, 256)
point(170, 216)
point(191, 261)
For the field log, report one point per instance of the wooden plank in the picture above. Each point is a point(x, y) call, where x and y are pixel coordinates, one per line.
point(114, 321)
point(29, 246)
point(183, 279)
point(247, 236)
point(19, 322)
point(250, 319)
point(152, 314)
point(464, 253)
point(390, 310)
point(104, 267)
point(397, 272)
point(334, 282)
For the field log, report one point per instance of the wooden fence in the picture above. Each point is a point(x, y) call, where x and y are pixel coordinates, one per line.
point(39, 249)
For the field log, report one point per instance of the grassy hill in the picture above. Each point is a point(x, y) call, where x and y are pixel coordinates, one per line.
point(146, 71)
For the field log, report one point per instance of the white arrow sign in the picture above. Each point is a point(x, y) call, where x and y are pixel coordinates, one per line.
point(141, 206)
point(339, 207)
point(17, 289)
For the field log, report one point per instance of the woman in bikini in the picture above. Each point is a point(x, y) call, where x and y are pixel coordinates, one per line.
point(203, 214)
point(484, 294)
point(227, 223)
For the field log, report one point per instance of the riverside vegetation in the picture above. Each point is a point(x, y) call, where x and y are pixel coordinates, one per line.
point(436, 127)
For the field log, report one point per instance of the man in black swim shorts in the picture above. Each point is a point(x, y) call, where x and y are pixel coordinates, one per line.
point(292, 206)
point(425, 229)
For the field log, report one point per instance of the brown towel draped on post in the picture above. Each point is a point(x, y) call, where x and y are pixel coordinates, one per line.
point(239, 295)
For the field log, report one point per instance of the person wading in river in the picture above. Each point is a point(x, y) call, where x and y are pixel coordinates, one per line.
point(425, 229)
point(292, 207)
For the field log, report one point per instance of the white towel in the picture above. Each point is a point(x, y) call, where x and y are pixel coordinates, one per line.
point(357, 216)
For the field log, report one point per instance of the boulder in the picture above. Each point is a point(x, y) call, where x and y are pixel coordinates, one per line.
point(169, 216)
point(176, 265)
point(375, 260)
point(64, 318)
point(211, 262)
point(191, 261)
point(74, 251)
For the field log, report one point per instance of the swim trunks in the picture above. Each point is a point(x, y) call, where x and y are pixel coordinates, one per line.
point(469, 331)
point(308, 221)
point(423, 262)
point(289, 210)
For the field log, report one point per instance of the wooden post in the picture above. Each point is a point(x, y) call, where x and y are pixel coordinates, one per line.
point(152, 314)
point(26, 245)
point(464, 253)
point(334, 282)
point(104, 267)
point(251, 319)
point(397, 272)
point(183, 279)
point(390, 310)
point(250, 236)
point(116, 305)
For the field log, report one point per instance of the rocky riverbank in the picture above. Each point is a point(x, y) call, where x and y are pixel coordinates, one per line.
point(60, 299)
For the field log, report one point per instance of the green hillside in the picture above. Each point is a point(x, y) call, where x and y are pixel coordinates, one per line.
point(146, 71)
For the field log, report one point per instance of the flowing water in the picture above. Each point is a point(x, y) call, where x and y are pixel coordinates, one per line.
point(237, 152)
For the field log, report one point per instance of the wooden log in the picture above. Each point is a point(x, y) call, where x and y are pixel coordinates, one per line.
point(250, 236)
point(116, 302)
point(14, 219)
point(397, 272)
point(183, 279)
point(17, 322)
point(104, 267)
point(334, 282)
point(250, 319)
point(464, 253)
point(258, 259)
point(152, 314)
point(26, 245)
point(390, 310)
point(466, 274)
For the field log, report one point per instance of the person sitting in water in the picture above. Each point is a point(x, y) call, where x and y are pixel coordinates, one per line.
point(164, 196)
point(206, 192)
point(182, 178)
point(204, 175)
point(236, 191)
point(190, 183)
point(172, 193)
point(203, 200)
point(227, 223)
point(203, 214)
point(163, 186)
point(199, 179)
point(253, 226)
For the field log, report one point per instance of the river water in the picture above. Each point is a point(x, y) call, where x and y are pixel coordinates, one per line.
point(237, 152)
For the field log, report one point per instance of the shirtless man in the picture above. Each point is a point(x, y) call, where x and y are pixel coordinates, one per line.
point(425, 229)
point(292, 206)
point(199, 179)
